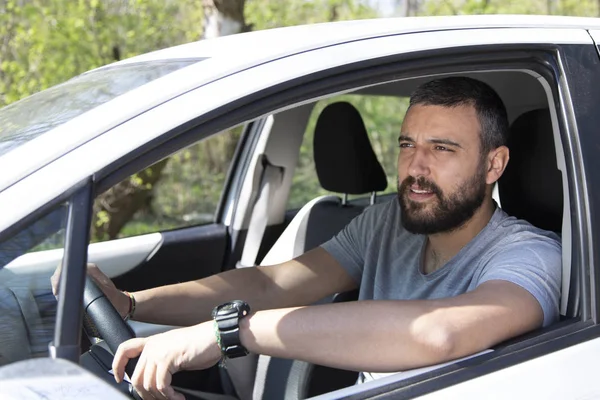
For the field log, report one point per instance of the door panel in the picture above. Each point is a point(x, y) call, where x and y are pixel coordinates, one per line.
point(114, 258)
point(117, 257)
point(184, 254)
point(137, 262)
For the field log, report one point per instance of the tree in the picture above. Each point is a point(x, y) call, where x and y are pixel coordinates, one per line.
point(223, 17)
point(465, 7)
point(117, 206)
point(45, 42)
point(135, 196)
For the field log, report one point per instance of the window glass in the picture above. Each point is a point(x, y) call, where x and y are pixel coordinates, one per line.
point(25, 120)
point(179, 191)
point(382, 116)
point(27, 305)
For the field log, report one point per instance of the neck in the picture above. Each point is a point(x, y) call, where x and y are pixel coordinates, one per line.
point(444, 246)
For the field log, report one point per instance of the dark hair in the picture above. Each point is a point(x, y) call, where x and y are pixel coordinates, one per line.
point(460, 91)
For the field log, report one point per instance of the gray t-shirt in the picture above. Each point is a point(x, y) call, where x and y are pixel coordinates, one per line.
point(386, 259)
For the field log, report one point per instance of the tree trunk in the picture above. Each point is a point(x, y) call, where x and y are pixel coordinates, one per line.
point(114, 208)
point(405, 8)
point(223, 17)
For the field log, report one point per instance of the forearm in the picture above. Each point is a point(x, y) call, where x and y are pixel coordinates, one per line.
point(191, 302)
point(377, 336)
point(383, 336)
point(264, 288)
point(302, 281)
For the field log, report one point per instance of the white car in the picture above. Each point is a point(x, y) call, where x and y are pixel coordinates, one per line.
point(61, 148)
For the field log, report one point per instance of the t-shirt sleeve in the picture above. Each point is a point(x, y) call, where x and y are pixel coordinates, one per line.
point(348, 247)
point(535, 265)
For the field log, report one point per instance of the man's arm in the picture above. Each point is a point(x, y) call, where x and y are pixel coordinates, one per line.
point(385, 336)
point(302, 281)
point(377, 336)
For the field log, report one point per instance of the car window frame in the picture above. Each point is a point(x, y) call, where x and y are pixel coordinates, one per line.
point(69, 316)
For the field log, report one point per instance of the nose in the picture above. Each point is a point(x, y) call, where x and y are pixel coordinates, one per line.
point(418, 164)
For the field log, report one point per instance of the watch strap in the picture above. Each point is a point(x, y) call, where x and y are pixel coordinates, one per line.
point(227, 318)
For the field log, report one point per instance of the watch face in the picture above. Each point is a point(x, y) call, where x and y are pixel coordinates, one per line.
point(229, 307)
point(235, 306)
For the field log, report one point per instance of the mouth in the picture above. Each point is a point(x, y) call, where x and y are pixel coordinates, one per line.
point(420, 194)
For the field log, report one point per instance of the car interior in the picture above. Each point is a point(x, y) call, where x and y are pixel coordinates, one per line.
point(533, 187)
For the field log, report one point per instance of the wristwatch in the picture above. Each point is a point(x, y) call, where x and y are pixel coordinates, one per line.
point(227, 318)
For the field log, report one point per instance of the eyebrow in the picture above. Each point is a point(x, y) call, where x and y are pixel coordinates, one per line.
point(447, 142)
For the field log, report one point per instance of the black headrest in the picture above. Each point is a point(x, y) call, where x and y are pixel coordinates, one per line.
point(531, 186)
point(344, 158)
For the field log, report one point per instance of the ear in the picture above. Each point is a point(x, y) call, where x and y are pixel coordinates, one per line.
point(496, 163)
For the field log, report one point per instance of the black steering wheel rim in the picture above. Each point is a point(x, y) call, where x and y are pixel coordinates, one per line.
point(107, 320)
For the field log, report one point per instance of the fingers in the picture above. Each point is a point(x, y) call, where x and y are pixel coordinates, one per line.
point(149, 381)
point(152, 376)
point(99, 276)
point(55, 278)
point(137, 380)
point(163, 383)
point(126, 351)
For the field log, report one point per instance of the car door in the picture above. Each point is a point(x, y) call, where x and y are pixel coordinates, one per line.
point(310, 75)
point(291, 81)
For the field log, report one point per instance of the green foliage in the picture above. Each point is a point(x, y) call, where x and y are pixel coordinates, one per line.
point(266, 14)
point(45, 42)
point(190, 187)
point(584, 8)
point(191, 184)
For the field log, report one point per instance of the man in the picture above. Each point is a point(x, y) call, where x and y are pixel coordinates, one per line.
point(452, 273)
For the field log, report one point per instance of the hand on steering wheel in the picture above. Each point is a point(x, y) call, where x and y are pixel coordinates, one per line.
point(160, 356)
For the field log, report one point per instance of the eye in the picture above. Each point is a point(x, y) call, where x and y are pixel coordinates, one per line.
point(405, 145)
point(443, 148)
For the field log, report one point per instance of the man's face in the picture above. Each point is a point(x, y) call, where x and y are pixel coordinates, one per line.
point(441, 173)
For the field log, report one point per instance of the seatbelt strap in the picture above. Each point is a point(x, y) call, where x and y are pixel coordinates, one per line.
point(271, 179)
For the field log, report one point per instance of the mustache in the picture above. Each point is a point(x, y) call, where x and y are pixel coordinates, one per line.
point(422, 183)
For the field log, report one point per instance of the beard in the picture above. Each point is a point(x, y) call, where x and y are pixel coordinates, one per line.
point(448, 213)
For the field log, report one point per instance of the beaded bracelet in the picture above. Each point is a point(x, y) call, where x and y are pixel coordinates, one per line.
point(220, 344)
point(131, 310)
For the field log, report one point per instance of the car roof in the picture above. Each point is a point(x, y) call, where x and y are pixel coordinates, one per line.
point(280, 42)
point(230, 54)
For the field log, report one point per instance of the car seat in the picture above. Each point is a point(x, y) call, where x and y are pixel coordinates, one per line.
point(531, 187)
point(346, 164)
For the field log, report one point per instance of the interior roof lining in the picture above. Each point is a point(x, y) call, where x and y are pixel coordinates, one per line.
point(520, 90)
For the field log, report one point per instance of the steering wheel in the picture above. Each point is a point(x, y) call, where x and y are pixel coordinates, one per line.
point(114, 331)
point(107, 321)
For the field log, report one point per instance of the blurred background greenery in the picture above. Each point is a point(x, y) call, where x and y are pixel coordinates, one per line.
point(46, 42)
